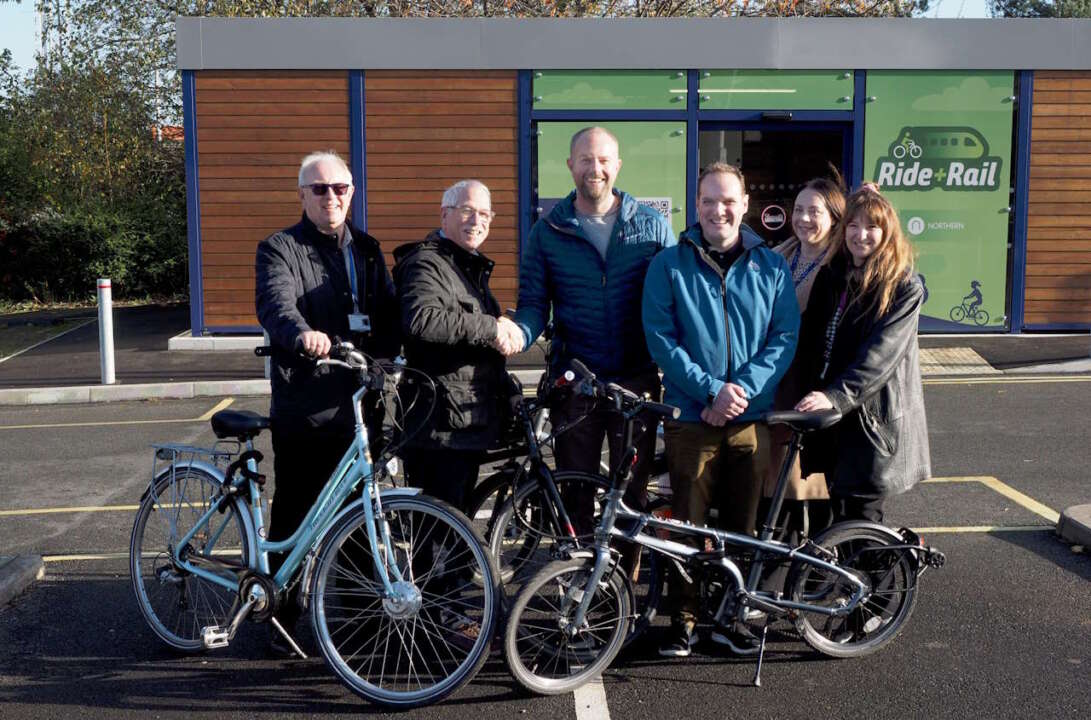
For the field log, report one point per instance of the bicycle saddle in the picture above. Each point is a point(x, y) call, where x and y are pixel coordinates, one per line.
point(803, 422)
point(242, 424)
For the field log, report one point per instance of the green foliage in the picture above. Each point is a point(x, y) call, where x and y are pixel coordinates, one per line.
point(86, 188)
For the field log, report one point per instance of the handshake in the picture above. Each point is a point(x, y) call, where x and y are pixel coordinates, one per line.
point(509, 337)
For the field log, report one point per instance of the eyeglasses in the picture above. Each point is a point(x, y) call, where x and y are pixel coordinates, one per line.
point(466, 212)
point(319, 189)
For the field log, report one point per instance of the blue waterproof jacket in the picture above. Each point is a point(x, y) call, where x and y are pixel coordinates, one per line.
point(696, 317)
point(595, 302)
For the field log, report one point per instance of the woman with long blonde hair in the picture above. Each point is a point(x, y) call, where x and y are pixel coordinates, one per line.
point(859, 336)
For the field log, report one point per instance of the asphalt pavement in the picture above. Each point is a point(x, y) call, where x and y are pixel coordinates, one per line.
point(66, 369)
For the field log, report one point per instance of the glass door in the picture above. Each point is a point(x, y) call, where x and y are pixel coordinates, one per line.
point(777, 161)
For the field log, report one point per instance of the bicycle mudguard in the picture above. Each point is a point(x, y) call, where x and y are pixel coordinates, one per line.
point(901, 539)
point(195, 464)
point(359, 503)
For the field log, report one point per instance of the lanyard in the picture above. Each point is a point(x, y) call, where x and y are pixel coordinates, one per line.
point(350, 266)
point(797, 279)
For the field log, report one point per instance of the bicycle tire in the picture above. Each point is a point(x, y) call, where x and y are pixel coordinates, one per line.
point(521, 544)
point(354, 626)
point(882, 614)
point(981, 317)
point(177, 604)
point(539, 653)
point(958, 313)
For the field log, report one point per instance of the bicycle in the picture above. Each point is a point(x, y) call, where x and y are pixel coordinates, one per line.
point(403, 597)
point(531, 514)
point(963, 311)
point(849, 590)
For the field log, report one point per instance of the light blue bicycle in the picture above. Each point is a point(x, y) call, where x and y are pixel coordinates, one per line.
point(403, 597)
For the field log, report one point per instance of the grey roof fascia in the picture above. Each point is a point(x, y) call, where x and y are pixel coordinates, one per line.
point(676, 43)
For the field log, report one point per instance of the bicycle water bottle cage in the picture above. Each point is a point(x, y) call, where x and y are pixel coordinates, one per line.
point(241, 424)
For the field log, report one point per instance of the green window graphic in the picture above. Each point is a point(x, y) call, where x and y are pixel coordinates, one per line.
point(939, 146)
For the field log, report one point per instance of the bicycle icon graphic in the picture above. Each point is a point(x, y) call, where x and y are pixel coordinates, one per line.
point(963, 311)
point(907, 146)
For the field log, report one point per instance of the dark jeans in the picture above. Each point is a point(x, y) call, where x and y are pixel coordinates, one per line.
point(303, 459)
point(581, 447)
point(449, 475)
point(851, 507)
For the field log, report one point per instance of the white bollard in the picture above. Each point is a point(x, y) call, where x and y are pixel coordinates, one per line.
point(268, 359)
point(106, 331)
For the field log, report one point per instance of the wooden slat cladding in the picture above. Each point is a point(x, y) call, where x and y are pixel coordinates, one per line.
point(1058, 279)
point(429, 129)
point(253, 128)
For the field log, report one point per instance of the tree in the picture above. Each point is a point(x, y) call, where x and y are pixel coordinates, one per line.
point(1040, 8)
point(87, 187)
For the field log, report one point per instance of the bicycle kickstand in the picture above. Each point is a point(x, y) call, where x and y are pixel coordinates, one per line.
point(761, 656)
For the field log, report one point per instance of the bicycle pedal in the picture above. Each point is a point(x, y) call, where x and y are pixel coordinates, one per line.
point(214, 637)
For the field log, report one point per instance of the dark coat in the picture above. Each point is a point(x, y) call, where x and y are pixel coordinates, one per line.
point(302, 285)
point(880, 446)
point(448, 319)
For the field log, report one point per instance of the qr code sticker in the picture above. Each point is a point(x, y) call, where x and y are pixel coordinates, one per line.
point(662, 204)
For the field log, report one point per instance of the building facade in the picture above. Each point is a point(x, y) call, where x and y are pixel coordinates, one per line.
point(978, 130)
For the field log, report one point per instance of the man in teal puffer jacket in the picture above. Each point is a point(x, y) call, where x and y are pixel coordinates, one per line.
point(585, 261)
point(721, 320)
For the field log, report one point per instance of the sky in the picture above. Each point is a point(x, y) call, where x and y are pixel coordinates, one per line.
point(17, 24)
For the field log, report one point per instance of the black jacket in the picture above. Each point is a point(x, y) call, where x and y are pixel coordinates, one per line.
point(448, 320)
point(302, 285)
point(880, 446)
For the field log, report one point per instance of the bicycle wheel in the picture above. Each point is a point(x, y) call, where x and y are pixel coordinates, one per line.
point(175, 603)
point(408, 653)
point(522, 539)
point(541, 654)
point(981, 317)
point(958, 313)
point(891, 578)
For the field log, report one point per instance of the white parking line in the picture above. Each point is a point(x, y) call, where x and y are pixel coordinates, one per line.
point(591, 701)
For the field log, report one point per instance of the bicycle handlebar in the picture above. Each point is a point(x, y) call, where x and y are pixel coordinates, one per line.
point(613, 393)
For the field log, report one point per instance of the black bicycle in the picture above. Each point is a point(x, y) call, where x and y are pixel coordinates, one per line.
point(531, 515)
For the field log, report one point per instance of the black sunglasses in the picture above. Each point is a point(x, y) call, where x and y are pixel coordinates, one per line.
point(319, 189)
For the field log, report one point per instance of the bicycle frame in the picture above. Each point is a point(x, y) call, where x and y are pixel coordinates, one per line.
point(353, 468)
point(616, 510)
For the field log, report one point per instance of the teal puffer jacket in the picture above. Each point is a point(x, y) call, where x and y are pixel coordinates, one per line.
point(595, 303)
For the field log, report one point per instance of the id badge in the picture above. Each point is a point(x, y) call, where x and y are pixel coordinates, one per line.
point(358, 322)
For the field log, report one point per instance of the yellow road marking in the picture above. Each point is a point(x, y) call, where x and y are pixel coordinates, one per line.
point(92, 508)
point(1018, 380)
point(203, 418)
point(120, 556)
point(1007, 491)
point(982, 529)
point(222, 405)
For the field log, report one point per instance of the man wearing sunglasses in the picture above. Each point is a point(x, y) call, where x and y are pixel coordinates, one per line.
point(320, 279)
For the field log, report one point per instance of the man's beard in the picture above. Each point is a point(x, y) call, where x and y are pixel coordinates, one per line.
point(592, 193)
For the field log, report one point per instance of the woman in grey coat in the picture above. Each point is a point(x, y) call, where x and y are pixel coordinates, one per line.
point(860, 334)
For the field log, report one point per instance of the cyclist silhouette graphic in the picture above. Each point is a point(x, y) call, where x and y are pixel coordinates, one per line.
point(975, 296)
point(971, 306)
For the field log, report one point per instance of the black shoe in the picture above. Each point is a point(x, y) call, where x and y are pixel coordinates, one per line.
point(679, 641)
point(740, 641)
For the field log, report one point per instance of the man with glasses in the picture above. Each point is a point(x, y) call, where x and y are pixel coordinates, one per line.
point(320, 279)
point(449, 319)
